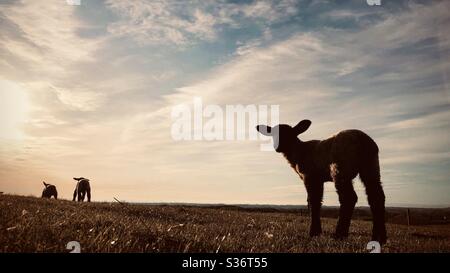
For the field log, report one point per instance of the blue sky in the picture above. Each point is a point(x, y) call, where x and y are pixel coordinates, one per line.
point(87, 91)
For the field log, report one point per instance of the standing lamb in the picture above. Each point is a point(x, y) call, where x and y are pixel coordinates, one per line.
point(339, 159)
point(83, 187)
point(49, 191)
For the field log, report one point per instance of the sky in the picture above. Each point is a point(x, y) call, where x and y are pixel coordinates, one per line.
point(88, 91)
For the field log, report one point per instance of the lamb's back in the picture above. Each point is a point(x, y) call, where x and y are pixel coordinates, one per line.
point(346, 149)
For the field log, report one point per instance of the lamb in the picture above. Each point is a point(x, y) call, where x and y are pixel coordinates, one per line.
point(339, 159)
point(49, 191)
point(83, 187)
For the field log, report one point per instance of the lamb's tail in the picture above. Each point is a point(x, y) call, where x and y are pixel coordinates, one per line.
point(369, 165)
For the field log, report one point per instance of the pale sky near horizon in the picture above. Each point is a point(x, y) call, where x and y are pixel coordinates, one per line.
point(88, 91)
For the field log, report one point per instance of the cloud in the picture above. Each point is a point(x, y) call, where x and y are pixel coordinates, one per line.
point(184, 23)
point(270, 10)
point(339, 80)
point(79, 100)
point(101, 106)
point(42, 36)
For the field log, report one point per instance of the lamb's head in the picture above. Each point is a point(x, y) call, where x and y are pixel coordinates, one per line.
point(284, 136)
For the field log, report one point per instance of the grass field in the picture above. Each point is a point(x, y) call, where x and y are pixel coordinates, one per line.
point(29, 224)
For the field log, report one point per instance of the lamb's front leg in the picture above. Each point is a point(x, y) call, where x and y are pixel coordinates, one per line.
point(315, 195)
point(74, 194)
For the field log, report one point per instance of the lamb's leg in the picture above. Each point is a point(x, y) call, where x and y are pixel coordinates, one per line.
point(89, 195)
point(76, 191)
point(370, 176)
point(375, 196)
point(347, 200)
point(315, 195)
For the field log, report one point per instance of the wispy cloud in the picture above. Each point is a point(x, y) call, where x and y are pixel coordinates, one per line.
point(42, 35)
point(100, 105)
point(180, 23)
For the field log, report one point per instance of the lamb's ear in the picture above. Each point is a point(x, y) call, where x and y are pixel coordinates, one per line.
point(45, 184)
point(264, 129)
point(302, 126)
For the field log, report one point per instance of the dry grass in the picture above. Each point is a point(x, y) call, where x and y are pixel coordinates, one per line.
point(29, 224)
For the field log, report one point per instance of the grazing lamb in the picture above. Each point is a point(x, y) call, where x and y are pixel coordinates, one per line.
point(339, 159)
point(83, 187)
point(49, 191)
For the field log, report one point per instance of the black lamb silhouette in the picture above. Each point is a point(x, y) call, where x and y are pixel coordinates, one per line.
point(49, 191)
point(83, 187)
point(339, 159)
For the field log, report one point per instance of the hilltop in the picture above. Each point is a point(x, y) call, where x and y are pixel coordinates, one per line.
point(30, 224)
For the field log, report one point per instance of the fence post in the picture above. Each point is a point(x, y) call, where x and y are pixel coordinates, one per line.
point(408, 215)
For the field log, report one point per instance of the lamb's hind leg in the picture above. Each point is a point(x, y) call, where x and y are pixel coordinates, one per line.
point(347, 200)
point(370, 176)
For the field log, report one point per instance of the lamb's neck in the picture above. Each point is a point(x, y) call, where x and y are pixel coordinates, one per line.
point(293, 154)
